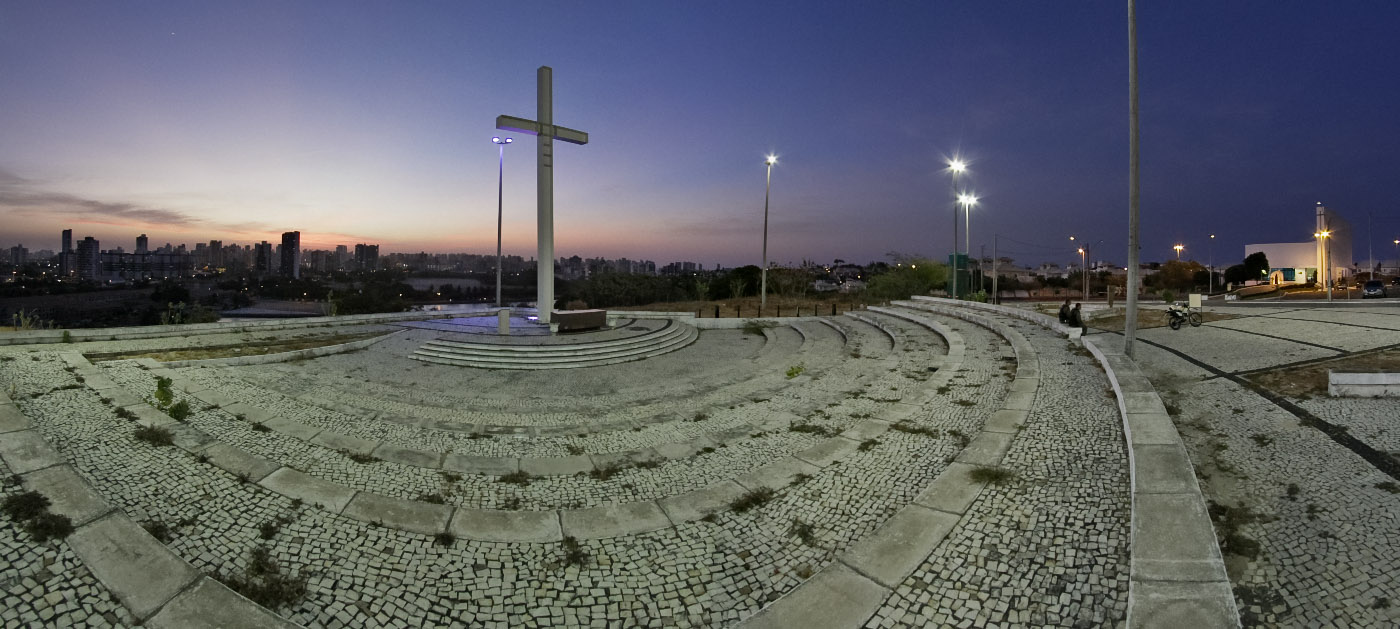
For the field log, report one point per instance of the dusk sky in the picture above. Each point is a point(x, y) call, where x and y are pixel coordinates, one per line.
point(372, 122)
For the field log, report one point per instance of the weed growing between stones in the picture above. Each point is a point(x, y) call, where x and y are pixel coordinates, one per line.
point(261, 427)
point(607, 471)
point(648, 464)
point(154, 436)
point(756, 328)
point(1389, 486)
point(811, 429)
point(1228, 521)
point(943, 390)
point(905, 426)
point(1261, 439)
point(31, 510)
point(450, 477)
point(700, 417)
point(753, 498)
point(164, 395)
point(444, 539)
point(574, 554)
point(353, 456)
point(268, 530)
point(961, 438)
point(574, 449)
point(868, 444)
point(180, 411)
point(158, 530)
point(511, 504)
point(965, 402)
point(1293, 492)
point(803, 531)
point(992, 475)
point(521, 478)
point(263, 582)
point(436, 499)
point(795, 371)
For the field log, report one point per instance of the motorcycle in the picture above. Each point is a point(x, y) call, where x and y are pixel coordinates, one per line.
point(1178, 314)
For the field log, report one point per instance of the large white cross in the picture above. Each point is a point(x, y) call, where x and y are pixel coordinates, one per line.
point(545, 132)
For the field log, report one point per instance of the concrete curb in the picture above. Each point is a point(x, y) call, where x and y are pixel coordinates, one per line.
point(159, 588)
point(263, 359)
point(35, 337)
point(847, 591)
point(1178, 576)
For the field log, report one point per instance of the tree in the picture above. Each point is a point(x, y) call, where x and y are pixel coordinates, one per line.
point(1256, 264)
point(1238, 274)
point(1180, 276)
point(918, 277)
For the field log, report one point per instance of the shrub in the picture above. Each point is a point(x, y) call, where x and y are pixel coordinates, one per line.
point(154, 436)
point(164, 397)
point(180, 411)
point(47, 526)
point(67, 336)
point(992, 475)
point(753, 498)
point(21, 507)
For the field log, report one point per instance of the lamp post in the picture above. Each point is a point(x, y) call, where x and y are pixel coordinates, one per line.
point(955, 166)
point(500, 195)
point(763, 274)
point(1326, 255)
point(1211, 287)
point(1178, 251)
point(967, 201)
point(1084, 270)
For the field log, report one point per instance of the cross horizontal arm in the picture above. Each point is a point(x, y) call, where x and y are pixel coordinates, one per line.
point(530, 127)
point(518, 125)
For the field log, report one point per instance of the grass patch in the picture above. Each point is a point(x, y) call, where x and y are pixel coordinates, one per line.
point(21, 507)
point(450, 477)
point(434, 498)
point(867, 444)
point(158, 530)
point(357, 456)
point(125, 414)
point(154, 436)
point(574, 449)
point(263, 582)
point(607, 471)
point(521, 478)
point(261, 427)
point(1389, 486)
point(1262, 439)
point(444, 539)
point(752, 499)
point(47, 526)
point(811, 429)
point(992, 475)
point(795, 371)
point(803, 531)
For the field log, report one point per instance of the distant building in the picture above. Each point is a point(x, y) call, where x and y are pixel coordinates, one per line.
point(262, 257)
point(342, 257)
point(88, 259)
point(65, 255)
point(19, 256)
point(1299, 262)
point(291, 255)
point(142, 244)
point(367, 257)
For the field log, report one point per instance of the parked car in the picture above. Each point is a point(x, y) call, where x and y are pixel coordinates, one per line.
point(1373, 288)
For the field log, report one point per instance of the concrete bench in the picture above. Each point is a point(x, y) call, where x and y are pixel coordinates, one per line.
point(578, 320)
point(1373, 384)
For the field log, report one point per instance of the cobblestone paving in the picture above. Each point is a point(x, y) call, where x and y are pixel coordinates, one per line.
point(1056, 528)
point(1049, 548)
point(45, 584)
point(1310, 535)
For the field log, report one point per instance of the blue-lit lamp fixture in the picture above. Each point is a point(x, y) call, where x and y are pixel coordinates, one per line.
point(500, 141)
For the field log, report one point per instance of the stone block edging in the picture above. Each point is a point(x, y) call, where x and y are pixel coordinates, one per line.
point(1177, 574)
point(847, 591)
point(1372, 384)
point(158, 587)
point(32, 337)
point(280, 357)
point(1043, 320)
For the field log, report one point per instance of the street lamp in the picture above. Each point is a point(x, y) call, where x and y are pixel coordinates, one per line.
point(1326, 255)
point(967, 201)
point(500, 190)
point(1178, 251)
point(763, 281)
point(1084, 270)
point(1211, 288)
point(955, 166)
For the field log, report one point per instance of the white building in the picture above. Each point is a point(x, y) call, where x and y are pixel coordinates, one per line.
point(1298, 262)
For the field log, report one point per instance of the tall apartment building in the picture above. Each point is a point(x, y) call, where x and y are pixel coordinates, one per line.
point(262, 257)
point(367, 257)
point(88, 259)
point(65, 255)
point(143, 244)
point(291, 255)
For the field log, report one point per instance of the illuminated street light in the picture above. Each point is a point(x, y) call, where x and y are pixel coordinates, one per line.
point(967, 201)
point(1211, 288)
point(1084, 270)
point(1178, 251)
point(767, 188)
point(1326, 261)
point(956, 167)
point(500, 195)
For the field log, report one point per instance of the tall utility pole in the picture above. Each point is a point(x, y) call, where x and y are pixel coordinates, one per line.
point(956, 166)
point(500, 195)
point(763, 275)
point(1130, 324)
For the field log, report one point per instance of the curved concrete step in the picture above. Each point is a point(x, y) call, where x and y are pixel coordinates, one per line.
point(667, 330)
point(581, 357)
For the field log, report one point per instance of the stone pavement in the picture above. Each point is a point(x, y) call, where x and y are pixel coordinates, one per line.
point(1302, 491)
point(691, 489)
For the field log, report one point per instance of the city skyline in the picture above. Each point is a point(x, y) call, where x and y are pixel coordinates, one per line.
point(240, 123)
